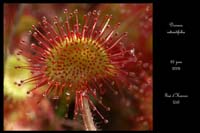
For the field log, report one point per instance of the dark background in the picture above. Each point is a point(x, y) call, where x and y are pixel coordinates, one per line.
point(169, 117)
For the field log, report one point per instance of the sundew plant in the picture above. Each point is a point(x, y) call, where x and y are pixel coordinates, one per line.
point(89, 64)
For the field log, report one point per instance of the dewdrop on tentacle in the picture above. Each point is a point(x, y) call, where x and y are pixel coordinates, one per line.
point(84, 59)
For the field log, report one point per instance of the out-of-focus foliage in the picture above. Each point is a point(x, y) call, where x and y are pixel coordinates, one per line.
point(11, 75)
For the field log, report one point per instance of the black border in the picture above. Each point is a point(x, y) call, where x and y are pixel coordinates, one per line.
point(166, 117)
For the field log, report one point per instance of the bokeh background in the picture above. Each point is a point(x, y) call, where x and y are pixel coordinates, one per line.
point(132, 110)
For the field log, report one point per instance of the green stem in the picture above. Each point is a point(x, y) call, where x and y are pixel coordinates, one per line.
point(87, 116)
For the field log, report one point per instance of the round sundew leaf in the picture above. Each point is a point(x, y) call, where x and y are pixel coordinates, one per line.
point(11, 75)
point(83, 62)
